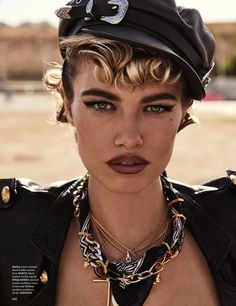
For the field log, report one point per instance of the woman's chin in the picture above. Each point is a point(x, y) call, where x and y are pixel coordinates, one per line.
point(128, 183)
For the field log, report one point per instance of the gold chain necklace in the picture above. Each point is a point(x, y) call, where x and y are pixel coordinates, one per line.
point(111, 273)
point(105, 238)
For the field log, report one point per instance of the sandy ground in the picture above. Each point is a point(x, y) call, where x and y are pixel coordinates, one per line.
point(33, 147)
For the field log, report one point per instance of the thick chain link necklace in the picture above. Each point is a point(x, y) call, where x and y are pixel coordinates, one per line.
point(125, 277)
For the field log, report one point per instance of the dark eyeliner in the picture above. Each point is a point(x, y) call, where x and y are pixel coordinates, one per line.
point(166, 108)
point(92, 103)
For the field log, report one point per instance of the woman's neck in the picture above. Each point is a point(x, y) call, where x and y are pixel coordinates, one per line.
point(128, 217)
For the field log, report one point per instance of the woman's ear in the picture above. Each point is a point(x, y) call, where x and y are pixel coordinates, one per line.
point(67, 107)
point(188, 119)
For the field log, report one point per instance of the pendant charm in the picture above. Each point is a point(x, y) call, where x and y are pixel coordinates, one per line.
point(157, 279)
point(128, 258)
point(122, 285)
point(86, 264)
point(107, 280)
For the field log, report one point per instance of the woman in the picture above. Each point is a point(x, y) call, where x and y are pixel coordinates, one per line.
point(123, 234)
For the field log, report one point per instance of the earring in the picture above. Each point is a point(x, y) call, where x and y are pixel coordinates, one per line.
point(186, 120)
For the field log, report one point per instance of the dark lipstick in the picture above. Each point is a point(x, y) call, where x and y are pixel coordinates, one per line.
point(128, 164)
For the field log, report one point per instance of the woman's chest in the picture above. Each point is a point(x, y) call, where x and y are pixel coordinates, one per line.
point(185, 281)
point(84, 289)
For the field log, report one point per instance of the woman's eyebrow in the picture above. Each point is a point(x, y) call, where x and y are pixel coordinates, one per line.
point(158, 97)
point(111, 96)
point(100, 93)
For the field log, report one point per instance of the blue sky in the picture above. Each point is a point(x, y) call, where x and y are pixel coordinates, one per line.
point(15, 12)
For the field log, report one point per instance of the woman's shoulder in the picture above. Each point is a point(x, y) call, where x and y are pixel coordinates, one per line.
point(219, 187)
point(14, 190)
point(26, 205)
point(217, 197)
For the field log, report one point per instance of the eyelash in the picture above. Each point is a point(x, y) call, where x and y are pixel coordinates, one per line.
point(161, 108)
point(94, 104)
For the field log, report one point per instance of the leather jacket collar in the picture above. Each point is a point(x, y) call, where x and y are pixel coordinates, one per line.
point(50, 236)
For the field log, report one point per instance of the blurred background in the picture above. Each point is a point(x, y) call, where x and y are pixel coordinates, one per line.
point(33, 146)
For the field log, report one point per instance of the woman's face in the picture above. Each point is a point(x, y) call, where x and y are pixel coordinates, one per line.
point(125, 138)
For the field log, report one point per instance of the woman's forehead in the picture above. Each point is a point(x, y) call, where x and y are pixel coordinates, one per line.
point(90, 74)
point(87, 84)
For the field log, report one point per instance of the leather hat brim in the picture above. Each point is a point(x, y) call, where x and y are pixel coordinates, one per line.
point(140, 38)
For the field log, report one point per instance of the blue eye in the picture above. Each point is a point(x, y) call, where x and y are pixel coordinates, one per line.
point(158, 108)
point(100, 106)
point(154, 108)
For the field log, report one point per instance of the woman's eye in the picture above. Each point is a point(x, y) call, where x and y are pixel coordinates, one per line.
point(100, 106)
point(158, 108)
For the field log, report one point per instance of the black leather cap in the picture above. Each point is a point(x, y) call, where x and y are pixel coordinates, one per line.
point(177, 32)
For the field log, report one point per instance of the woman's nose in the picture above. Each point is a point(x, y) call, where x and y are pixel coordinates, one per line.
point(129, 134)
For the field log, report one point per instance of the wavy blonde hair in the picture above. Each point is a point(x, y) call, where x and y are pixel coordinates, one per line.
point(121, 64)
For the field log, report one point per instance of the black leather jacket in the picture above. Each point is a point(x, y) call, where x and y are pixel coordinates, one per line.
point(34, 222)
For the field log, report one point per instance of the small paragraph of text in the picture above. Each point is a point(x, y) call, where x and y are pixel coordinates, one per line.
point(23, 280)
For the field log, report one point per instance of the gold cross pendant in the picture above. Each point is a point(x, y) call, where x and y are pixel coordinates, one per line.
point(107, 280)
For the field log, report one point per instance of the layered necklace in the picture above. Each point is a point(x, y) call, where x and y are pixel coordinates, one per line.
point(105, 238)
point(129, 280)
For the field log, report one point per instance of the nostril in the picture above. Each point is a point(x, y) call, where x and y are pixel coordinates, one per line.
point(129, 138)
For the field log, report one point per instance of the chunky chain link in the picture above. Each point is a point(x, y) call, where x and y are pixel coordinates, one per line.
point(79, 194)
point(93, 255)
point(155, 270)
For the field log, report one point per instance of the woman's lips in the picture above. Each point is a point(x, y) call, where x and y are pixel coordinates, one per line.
point(124, 164)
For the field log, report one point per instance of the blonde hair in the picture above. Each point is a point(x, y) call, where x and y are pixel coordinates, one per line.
point(121, 64)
